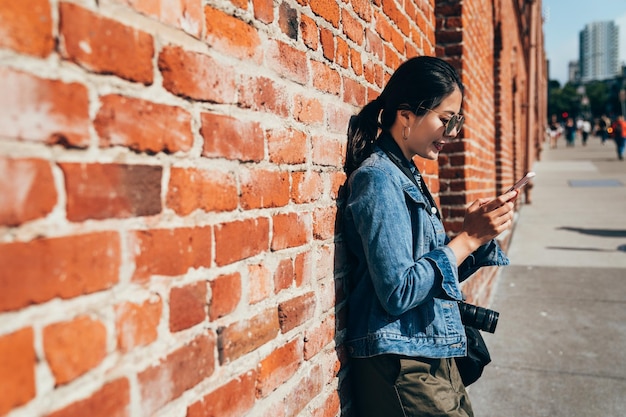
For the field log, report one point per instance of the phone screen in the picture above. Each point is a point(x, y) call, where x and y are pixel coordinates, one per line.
point(519, 184)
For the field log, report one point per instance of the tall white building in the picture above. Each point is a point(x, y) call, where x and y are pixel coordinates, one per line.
point(599, 51)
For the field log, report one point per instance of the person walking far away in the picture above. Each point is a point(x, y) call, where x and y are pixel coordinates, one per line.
point(605, 123)
point(619, 135)
point(556, 130)
point(570, 132)
point(404, 325)
point(585, 131)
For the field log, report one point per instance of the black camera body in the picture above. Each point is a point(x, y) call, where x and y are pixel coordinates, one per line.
point(478, 317)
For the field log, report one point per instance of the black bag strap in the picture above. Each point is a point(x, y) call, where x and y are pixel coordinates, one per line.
point(393, 151)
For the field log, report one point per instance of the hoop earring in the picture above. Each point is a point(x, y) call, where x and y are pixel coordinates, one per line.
point(405, 136)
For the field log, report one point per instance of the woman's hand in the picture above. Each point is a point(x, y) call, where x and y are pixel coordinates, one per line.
point(484, 220)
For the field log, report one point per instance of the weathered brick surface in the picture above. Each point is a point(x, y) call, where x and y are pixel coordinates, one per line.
point(27, 190)
point(17, 369)
point(170, 180)
point(73, 348)
point(40, 270)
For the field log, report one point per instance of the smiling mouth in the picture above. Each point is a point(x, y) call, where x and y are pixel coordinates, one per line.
point(439, 146)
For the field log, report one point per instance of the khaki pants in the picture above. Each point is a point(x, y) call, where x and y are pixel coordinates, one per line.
point(400, 386)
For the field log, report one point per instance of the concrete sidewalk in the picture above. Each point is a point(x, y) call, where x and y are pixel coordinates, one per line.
point(560, 346)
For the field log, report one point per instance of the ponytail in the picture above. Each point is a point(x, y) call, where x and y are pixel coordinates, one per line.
point(362, 133)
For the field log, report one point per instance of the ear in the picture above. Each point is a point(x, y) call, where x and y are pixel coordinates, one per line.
point(405, 117)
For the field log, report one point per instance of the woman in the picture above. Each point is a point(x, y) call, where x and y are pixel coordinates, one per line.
point(404, 326)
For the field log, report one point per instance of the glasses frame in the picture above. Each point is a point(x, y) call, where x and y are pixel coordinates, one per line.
point(454, 123)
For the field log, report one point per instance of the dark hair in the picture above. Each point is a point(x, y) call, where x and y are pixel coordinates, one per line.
point(423, 81)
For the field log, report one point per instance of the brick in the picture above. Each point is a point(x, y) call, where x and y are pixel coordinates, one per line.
point(284, 275)
point(259, 283)
point(325, 78)
point(40, 110)
point(40, 270)
point(356, 62)
point(264, 94)
point(193, 189)
point(187, 15)
point(303, 392)
point(306, 187)
point(324, 220)
point(328, 151)
point(225, 295)
point(196, 76)
point(288, 62)
point(187, 306)
point(352, 27)
point(17, 369)
point(327, 9)
point(309, 31)
point(287, 146)
point(324, 260)
point(112, 400)
point(179, 371)
point(354, 93)
point(363, 8)
point(143, 126)
point(278, 367)
point(342, 54)
point(74, 347)
point(263, 10)
point(234, 398)
point(303, 269)
point(264, 189)
point(290, 230)
point(288, 20)
point(26, 27)
point(331, 407)
point(27, 190)
point(245, 336)
point(137, 324)
point(102, 191)
point(232, 36)
point(338, 118)
point(337, 181)
point(231, 138)
point(104, 45)
point(316, 338)
point(294, 312)
point(239, 240)
point(170, 252)
point(327, 40)
point(308, 110)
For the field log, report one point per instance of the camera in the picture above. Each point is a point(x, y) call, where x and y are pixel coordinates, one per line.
point(478, 317)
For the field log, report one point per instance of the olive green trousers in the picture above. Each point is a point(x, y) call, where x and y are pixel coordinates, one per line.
point(401, 386)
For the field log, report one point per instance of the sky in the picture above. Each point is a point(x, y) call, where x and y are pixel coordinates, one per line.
point(563, 21)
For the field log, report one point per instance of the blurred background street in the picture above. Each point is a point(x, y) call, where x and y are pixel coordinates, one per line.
point(559, 348)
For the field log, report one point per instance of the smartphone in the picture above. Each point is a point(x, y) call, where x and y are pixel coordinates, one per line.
point(522, 182)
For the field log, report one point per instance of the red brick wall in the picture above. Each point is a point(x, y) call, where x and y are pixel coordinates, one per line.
point(168, 181)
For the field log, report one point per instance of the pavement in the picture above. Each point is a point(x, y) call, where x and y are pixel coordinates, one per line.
point(559, 349)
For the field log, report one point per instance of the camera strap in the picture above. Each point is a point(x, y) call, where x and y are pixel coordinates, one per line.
point(393, 151)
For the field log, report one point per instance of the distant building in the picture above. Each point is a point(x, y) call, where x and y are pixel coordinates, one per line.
point(599, 51)
point(573, 72)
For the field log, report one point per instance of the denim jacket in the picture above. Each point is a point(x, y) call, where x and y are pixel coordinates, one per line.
point(404, 281)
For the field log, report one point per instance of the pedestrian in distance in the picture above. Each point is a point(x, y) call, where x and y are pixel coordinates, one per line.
point(570, 132)
point(556, 130)
point(404, 326)
point(619, 136)
point(585, 131)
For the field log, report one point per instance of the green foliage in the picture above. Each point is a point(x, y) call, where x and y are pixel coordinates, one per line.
point(569, 99)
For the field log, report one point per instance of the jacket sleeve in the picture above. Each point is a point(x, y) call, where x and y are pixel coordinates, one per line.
point(488, 254)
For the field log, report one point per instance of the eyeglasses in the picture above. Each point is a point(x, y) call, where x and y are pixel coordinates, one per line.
point(453, 124)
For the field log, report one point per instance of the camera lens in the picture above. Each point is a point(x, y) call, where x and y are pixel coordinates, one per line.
point(478, 317)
